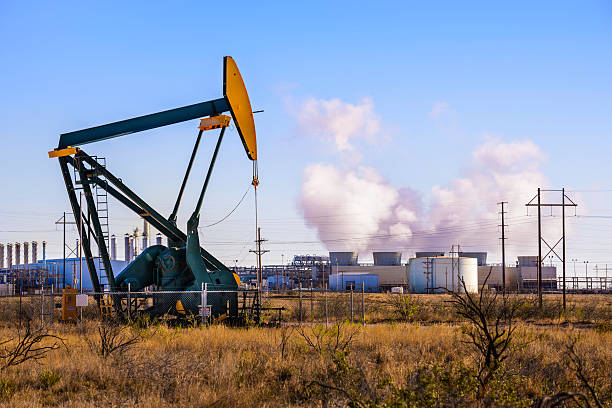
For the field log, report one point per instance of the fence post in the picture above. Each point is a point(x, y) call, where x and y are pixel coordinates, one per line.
point(52, 303)
point(311, 303)
point(129, 302)
point(351, 304)
point(326, 314)
point(203, 301)
point(363, 303)
point(42, 304)
point(300, 302)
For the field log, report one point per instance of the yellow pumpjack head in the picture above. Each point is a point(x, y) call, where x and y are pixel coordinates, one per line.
point(240, 106)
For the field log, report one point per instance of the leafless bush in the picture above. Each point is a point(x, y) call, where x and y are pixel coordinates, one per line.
point(575, 362)
point(113, 339)
point(491, 327)
point(561, 399)
point(285, 336)
point(29, 345)
point(330, 340)
point(339, 377)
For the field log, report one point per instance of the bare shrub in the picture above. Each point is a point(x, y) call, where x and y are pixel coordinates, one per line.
point(330, 340)
point(561, 399)
point(339, 378)
point(576, 363)
point(28, 345)
point(113, 339)
point(490, 330)
point(285, 336)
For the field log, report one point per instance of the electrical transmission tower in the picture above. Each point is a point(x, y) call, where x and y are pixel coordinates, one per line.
point(503, 242)
point(565, 202)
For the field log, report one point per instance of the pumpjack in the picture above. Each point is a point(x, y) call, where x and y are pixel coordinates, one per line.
point(183, 265)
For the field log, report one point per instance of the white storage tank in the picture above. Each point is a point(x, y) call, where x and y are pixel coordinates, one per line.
point(433, 275)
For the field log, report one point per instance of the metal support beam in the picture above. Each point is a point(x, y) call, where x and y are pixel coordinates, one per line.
point(139, 211)
point(77, 210)
point(172, 217)
point(141, 123)
point(140, 206)
point(193, 221)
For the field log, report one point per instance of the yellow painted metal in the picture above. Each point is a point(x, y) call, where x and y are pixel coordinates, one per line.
point(69, 308)
point(106, 307)
point(180, 309)
point(237, 278)
point(240, 106)
point(214, 122)
point(63, 152)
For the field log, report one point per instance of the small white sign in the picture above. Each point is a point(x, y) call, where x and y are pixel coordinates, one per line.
point(207, 311)
point(82, 300)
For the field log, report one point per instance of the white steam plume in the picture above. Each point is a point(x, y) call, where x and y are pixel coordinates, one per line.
point(339, 122)
point(354, 208)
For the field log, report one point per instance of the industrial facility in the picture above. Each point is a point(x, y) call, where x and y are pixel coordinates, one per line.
point(426, 272)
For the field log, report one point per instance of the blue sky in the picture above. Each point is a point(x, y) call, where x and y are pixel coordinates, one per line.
point(517, 71)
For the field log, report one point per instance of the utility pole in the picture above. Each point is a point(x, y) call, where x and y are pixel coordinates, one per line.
point(503, 242)
point(564, 202)
point(259, 252)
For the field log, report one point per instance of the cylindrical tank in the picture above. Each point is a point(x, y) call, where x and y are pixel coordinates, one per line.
point(387, 258)
point(113, 247)
point(343, 258)
point(34, 251)
point(26, 253)
point(128, 254)
point(17, 253)
point(9, 255)
point(438, 274)
point(146, 234)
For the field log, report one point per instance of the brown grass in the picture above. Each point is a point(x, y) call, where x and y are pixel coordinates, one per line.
point(420, 363)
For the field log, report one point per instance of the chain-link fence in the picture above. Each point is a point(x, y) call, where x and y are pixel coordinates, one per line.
point(305, 306)
point(38, 308)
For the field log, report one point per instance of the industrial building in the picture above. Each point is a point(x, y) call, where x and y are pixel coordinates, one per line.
point(52, 272)
point(492, 274)
point(387, 266)
point(528, 273)
point(354, 281)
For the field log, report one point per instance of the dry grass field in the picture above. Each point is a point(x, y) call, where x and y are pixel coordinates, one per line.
point(418, 354)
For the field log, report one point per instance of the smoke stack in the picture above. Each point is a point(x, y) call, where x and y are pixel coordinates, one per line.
point(135, 237)
point(1, 255)
point(127, 248)
point(44, 254)
point(158, 239)
point(17, 253)
point(9, 255)
point(26, 253)
point(34, 251)
point(113, 247)
point(146, 234)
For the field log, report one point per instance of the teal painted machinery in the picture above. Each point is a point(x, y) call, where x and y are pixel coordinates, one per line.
point(183, 266)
